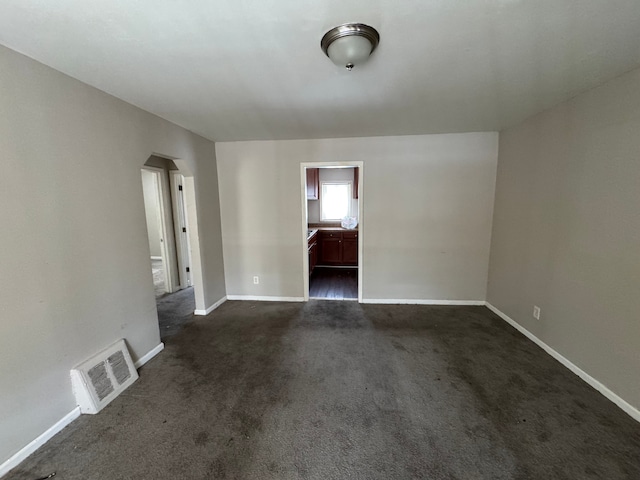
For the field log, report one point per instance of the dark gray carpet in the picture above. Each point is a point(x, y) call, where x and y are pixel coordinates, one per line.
point(335, 390)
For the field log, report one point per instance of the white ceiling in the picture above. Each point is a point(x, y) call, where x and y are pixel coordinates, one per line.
point(249, 70)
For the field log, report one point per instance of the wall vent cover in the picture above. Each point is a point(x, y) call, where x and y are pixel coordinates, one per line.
point(103, 377)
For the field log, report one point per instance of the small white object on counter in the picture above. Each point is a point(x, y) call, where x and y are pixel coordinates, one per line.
point(349, 222)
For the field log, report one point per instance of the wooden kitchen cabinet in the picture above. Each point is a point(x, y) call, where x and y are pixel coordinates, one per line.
point(338, 248)
point(350, 248)
point(330, 249)
point(313, 183)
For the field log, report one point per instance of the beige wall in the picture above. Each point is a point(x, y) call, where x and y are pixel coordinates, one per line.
point(427, 201)
point(205, 228)
point(566, 233)
point(163, 163)
point(74, 260)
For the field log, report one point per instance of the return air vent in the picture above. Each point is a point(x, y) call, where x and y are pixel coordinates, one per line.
point(103, 377)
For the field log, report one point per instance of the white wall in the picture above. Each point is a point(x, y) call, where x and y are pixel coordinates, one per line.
point(427, 200)
point(75, 257)
point(566, 233)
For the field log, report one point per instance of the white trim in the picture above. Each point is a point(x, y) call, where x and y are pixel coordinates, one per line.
point(360, 188)
point(629, 409)
point(24, 452)
point(149, 355)
point(156, 257)
point(181, 228)
point(305, 229)
point(211, 308)
point(262, 298)
point(416, 301)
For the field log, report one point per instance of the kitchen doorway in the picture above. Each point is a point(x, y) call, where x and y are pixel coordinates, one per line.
point(332, 230)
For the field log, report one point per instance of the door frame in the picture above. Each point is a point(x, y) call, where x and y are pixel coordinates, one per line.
point(167, 240)
point(305, 221)
point(180, 221)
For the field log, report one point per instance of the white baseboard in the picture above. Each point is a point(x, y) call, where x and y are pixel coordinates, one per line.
point(629, 409)
point(149, 355)
point(414, 301)
point(265, 298)
point(211, 308)
point(23, 453)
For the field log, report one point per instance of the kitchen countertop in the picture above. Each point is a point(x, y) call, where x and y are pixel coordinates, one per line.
point(315, 226)
point(311, 230)
point(333, 229)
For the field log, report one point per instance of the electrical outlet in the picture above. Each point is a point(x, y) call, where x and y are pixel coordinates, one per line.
point(256, 280)
point(536, 312)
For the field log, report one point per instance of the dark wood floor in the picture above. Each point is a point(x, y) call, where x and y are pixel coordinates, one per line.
point(334, 283)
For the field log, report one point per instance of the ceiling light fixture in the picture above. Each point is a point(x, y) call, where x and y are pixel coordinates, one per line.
point(350, 44)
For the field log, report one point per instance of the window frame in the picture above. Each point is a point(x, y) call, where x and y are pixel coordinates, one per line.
point(349, 185)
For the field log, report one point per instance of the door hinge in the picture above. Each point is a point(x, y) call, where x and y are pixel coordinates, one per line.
point(188, 270)
point(184, 229)
point(180, 187)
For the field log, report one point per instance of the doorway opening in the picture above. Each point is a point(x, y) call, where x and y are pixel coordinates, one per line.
point(332, 215)
point(169, 243)
point(156, 230)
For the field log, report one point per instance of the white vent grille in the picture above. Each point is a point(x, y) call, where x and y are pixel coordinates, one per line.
point(103, 377)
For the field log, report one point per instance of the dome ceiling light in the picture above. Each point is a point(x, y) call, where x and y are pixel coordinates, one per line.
point(350, 44)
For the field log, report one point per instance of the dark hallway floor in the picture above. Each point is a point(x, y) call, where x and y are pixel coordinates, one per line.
point(335, 390)
point(334, 283)
point(175, 310)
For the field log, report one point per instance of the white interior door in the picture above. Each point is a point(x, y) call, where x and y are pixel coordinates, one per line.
point(181, 227)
